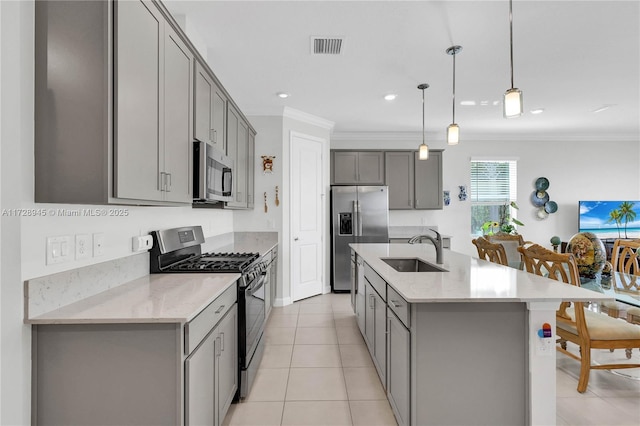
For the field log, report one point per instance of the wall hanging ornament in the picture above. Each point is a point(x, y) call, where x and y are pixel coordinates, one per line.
point(267, 163)
point(540, 198)
point(462, 196)
point(266, 208)
point(447, 198)
point(277, 199)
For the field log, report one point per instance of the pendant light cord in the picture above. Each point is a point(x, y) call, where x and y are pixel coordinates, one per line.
point(454, 88)
point(423, 116)
point(510, 37)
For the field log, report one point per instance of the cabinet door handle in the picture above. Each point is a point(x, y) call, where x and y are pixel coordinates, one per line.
point(221, 342)
point(219, 309)
point(162, 181)
point(396, 304)
point(218, 351)
point(168, 182)
point(215, 136)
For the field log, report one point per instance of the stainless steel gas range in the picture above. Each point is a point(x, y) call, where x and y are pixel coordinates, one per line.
point(178, 250)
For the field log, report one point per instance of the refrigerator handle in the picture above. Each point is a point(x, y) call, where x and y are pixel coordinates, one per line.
point(359, 228)
point(356, 218)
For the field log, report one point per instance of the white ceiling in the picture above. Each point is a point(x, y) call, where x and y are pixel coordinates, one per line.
point(570, 58)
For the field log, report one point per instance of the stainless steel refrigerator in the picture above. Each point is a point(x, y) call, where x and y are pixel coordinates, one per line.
point(359, 214)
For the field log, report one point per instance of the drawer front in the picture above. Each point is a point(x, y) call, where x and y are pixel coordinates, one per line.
point(376, 281)
point(196, 329)
point(398, 305)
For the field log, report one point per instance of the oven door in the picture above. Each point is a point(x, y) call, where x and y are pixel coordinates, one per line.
point(253, 316)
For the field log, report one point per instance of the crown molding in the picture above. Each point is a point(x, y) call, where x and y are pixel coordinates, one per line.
point(307, 118)
point(485, 137)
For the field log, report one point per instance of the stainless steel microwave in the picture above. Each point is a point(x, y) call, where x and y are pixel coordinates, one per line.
point(213, 174)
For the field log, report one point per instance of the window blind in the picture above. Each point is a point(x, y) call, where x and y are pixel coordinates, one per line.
point(493, 181)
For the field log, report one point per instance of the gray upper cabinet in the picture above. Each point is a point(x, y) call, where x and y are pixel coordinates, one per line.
point(398, 171)
point(120, 131)
point(414, 183)
point(428, 181)
point(153, 106)
point(238, 149)
point(178, 84)
point(210, 110)
point(251, 169)
point(357, 168)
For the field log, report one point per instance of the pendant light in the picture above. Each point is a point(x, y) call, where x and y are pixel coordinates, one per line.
point(423, 150)
point(512, 102)
point(453, 131)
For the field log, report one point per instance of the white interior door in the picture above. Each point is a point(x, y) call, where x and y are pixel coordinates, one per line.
point(307, 216)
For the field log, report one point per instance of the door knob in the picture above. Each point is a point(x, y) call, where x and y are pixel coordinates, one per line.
point(295, 239)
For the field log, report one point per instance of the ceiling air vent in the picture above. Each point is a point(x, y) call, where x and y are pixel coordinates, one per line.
point(326, 45)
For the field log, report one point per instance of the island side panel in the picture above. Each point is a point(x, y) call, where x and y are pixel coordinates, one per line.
point(542, 364)
point(97, 374)
point(470, 362)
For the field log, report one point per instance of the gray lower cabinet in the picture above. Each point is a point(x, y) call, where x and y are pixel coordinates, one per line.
point(137, 374)
point(357, 167)
point(376, 329)
point(399, 368)
point(360, 294)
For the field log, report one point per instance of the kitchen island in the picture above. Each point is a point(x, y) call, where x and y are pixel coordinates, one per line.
point(460, 345)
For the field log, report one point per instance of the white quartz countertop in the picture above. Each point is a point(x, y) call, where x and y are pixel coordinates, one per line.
point(468, 279)
point(156, 298)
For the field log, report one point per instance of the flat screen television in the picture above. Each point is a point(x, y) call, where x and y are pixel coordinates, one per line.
point(610, 219)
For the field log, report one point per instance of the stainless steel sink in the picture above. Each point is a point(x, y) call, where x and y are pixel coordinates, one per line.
point(411, 265)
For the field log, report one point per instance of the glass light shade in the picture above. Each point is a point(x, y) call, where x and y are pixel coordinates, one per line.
point(423, 152)
point(512, 103)
point(453, 134)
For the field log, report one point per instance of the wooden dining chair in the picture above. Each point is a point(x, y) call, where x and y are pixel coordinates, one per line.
point(489, 251)
point(510, 242)
point(625, 261)
point(585, 328)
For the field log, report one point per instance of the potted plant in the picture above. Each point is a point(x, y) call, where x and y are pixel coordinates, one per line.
point(506, 223)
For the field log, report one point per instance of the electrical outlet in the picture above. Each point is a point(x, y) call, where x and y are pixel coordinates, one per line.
point(83, 246)
point(59, 249)
point(98, 244)
point(142, 243)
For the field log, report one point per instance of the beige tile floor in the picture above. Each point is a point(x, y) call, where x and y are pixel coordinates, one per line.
point(316, 370)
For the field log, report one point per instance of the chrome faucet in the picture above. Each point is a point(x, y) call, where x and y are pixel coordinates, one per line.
point(437, 242)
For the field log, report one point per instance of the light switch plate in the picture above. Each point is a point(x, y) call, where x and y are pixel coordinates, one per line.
point(59, 249)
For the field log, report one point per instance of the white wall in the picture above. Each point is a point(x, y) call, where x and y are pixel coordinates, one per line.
point(22, 251)
point(273, 138)
point(577, 170)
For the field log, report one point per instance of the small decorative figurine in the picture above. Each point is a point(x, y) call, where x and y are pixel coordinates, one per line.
point(447, 198)
point(266, 208)
point(267, 163)
point(277, 199)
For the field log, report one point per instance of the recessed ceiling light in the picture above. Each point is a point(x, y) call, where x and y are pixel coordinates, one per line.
point(484, 103)
point(390, 97)
point(602, 108)
point(283, 95)
point(537, 111)
point(496, 103)
point(468, 103)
